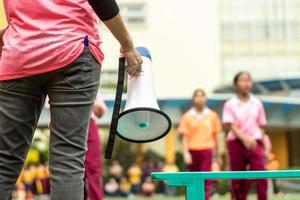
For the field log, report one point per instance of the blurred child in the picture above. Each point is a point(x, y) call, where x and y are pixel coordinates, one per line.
point(28, 180)
point(111, 188)
point(116, 170)
point(42, 180)
point(19, 192)
point(148, 187)
point(273, 164)
point(199, 127)
point(245, 116)
point(125, 187)
point(135, 174)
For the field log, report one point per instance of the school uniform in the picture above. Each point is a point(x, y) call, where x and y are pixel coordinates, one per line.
point(199, 130)
point(249, 117)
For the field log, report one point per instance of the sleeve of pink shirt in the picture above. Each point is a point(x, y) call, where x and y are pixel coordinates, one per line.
point(262, 119)
point(228, 117)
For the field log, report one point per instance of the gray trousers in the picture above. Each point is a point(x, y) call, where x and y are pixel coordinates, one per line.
point(72, 92)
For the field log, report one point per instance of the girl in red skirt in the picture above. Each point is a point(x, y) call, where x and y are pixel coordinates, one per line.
point(245, 116)
point(199, 127)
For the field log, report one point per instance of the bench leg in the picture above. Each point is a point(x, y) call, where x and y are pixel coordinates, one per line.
point(195, 191)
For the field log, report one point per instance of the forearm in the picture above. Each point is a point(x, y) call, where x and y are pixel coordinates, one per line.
point(120, 32)
point(108, 12)
point(237, 132)
point(216, 150)
point(264, 142)
point(185, 144)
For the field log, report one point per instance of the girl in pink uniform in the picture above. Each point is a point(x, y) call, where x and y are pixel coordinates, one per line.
point(244, 114)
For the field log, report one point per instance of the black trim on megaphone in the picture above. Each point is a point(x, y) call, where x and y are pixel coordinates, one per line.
point(116, 111)
point(152, 110)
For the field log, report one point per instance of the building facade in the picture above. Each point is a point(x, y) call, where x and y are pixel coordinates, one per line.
point(260, 36)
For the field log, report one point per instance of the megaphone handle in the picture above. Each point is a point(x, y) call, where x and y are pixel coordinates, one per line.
point(116, 110)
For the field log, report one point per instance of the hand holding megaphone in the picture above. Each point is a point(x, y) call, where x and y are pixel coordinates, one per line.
point(133, 61)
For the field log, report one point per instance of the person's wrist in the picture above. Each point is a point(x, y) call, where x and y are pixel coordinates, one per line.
point(244, 137)
point(127, 45)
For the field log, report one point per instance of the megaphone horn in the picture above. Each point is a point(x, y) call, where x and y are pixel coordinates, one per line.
point(142, 120)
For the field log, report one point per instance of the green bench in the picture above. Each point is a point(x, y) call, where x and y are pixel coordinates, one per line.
point(194, 181)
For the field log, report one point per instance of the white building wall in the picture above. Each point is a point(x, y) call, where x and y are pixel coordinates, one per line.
point(183, 38)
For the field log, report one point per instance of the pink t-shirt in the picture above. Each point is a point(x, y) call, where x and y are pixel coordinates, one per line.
point(45, 35)
point(248, 116)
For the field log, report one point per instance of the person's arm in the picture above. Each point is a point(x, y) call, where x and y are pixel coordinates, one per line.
point(249, 142)
point(229, 120)
point(108, 12)
point(120, 32)
point(183, 130)
point(266, 143)
point(1, 40)
point(218, 129)
point(184, 144)
point(186, 154)
point(262, 122)
point(216, 152)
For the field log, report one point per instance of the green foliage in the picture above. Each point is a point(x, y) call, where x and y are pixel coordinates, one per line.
point(180, 162)
point(223, 187)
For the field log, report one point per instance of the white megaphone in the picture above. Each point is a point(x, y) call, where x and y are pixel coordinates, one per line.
point(141, 120)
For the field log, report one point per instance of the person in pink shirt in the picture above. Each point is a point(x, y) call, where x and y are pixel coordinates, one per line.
point(53, 48)
point(93, 161)
point(245, 116)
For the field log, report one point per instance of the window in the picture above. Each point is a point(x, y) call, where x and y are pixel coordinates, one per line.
point(134, 14)
point(260, 35)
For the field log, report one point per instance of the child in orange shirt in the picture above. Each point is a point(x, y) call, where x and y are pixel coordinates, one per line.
point(199, 127)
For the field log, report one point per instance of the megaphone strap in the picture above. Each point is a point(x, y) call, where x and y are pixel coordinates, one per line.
point(116, 110)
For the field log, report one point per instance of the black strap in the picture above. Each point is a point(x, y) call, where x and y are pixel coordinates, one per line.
point(116, 111)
